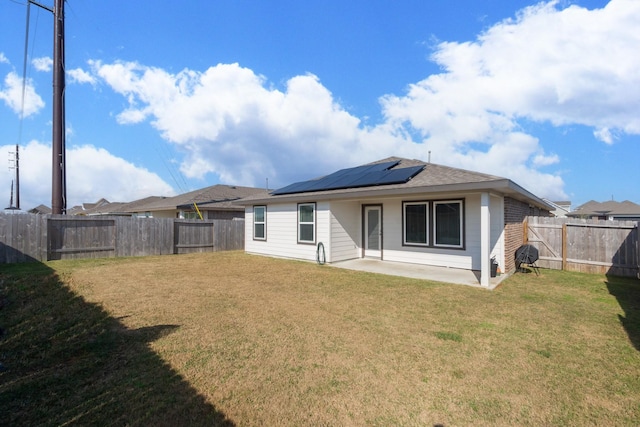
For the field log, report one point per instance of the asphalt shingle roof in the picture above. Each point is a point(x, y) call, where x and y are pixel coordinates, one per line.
point(606, 208)
point(215, 197)
point(432, 177)
point(204, 196)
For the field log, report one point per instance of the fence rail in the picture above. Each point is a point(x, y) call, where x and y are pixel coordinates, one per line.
point(591, 246)
point(27, 237)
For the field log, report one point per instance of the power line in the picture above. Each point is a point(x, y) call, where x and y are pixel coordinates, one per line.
point(24, 70)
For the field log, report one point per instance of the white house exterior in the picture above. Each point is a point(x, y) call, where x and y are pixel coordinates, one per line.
point(441, 216)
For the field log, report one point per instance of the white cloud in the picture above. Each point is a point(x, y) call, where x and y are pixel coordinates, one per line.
point(604, 134)
point(42, 64)
point(78, 75)
point(545, 160)
point(550, 65)
point(11, 94)
point(92, 173)
point(3, 58)
point(569, 66)
point(232, 125)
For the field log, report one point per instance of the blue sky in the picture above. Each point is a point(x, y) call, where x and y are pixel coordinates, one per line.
point(166, 97)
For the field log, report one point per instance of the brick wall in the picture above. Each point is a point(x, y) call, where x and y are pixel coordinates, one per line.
point(515, 212)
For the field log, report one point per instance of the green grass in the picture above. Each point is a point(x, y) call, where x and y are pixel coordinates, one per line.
point(227, 338)
point(449, 336)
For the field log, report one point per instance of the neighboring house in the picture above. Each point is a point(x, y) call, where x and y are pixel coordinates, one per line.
point(611, 210)
point(560, 209)
point(40, 210)
point(117, 208)
point(214, 202)
point(46, 210)
point(396, 210)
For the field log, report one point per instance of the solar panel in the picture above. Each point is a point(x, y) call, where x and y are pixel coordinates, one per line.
point(297, 187)
point(335, 180)
point(360, 176)
point(394, 176)
point(400, 175)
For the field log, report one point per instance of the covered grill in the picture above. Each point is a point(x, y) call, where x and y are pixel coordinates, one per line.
point(527, 254)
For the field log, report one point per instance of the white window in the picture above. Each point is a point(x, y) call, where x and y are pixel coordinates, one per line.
point(448, 223)
point(307, 223)
point(416, 223)
point(260, 223)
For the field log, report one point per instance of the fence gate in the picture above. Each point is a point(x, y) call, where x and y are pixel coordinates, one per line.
point(193, 236)
point(81, 238)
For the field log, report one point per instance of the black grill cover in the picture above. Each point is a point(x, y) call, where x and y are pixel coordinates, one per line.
point(527, 254)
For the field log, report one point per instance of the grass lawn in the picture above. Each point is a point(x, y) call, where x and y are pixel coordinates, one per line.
point(232, 339)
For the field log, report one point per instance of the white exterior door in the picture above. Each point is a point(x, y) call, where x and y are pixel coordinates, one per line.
point(373, 231)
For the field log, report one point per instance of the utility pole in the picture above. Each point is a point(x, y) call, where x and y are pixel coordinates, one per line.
point(11, 198)
point(58, 164)
point(17, 178)
point(16, 166)
point(58, 182)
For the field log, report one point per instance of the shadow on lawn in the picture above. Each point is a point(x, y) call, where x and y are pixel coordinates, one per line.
point(66, 361)
point(627, 292)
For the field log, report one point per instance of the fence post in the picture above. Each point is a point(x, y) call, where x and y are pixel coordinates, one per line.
point(637, 230)
point(525, 231)
point(43, 233)
point(564, 246)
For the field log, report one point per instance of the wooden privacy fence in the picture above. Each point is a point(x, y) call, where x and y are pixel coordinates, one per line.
point(591, 246)
point(27, 237)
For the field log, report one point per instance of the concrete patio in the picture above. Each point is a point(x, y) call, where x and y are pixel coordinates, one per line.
point(417, 271)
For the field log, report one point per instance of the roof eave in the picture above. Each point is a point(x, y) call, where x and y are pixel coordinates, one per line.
point(504, 186)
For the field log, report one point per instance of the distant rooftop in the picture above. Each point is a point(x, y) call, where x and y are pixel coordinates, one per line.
point(610, 209)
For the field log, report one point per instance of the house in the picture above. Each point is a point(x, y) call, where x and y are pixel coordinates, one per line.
point(214, 202)
point(611, 210)
point(398, 210)
point(116, 208)
point(40, 210)
point(560, 209)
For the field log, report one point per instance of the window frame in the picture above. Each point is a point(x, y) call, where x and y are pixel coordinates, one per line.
point(405, 223)
point(263, 222)
point(460, 203)
point(188, 215)
point(306, 223)
point(431, 221)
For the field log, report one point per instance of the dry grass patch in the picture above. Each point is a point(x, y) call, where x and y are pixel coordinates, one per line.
point(275, 342)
